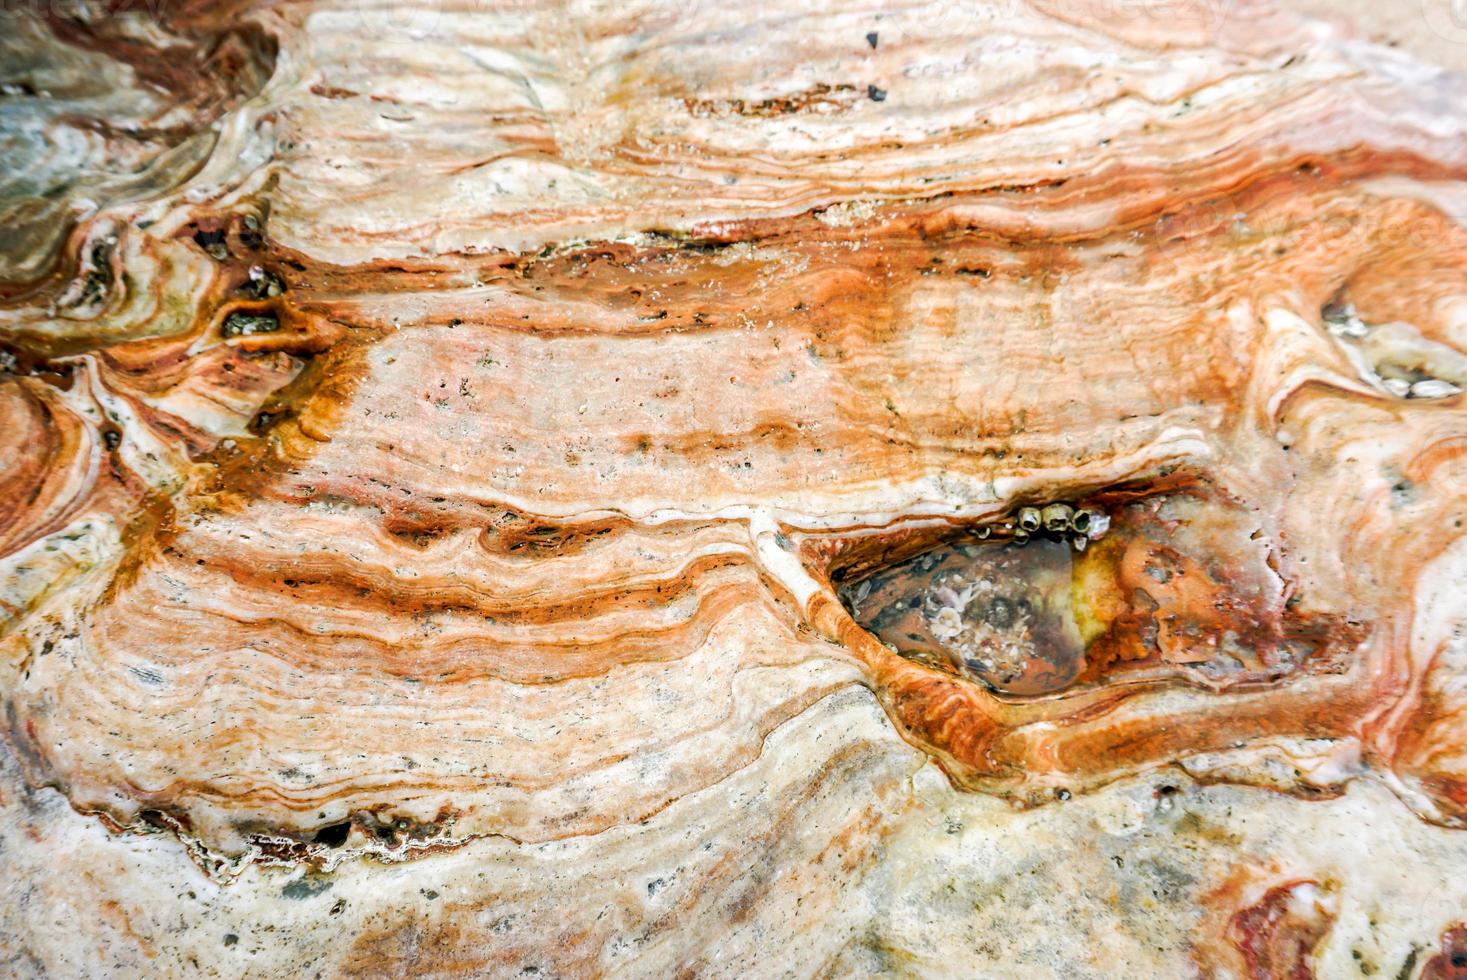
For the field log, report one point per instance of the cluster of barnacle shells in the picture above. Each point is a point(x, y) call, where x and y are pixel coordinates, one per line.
point(1438, 370)
point(1078, 525)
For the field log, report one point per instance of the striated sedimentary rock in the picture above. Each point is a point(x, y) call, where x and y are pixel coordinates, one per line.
point(714, 490)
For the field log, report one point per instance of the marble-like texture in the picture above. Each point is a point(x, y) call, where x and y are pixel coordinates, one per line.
point(438, 438)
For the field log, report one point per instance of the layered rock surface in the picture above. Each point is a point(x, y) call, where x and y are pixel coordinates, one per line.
point(445, 445)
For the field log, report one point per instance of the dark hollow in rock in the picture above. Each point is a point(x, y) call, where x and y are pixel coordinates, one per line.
point(246, 324)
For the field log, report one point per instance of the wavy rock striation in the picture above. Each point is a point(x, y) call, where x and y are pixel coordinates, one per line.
point(535, 487)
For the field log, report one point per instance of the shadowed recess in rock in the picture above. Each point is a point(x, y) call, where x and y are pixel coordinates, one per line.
point(1171, 585)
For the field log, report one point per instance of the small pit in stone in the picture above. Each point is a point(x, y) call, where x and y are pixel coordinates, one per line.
point(262, 284)
point(334, 835)
point(214, 243)
point(249, 324)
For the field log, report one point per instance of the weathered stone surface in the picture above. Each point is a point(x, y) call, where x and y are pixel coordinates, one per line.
point(497, 489)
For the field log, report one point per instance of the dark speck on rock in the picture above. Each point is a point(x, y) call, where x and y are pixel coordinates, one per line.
point(877, 94)
point(871, 39)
